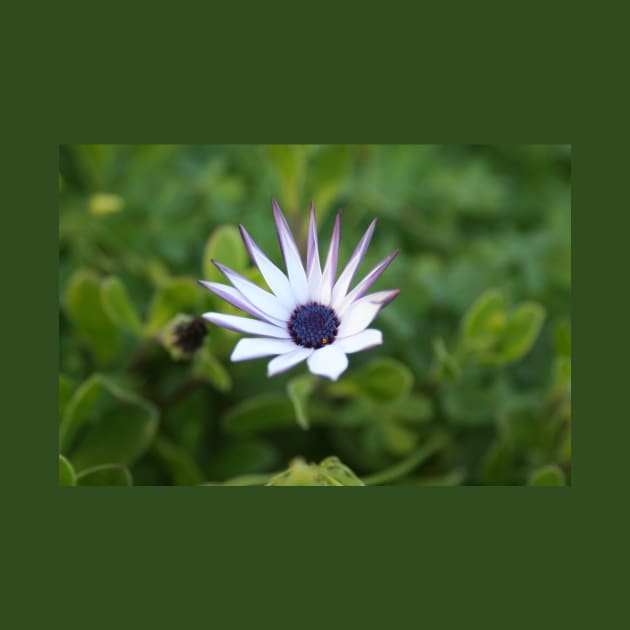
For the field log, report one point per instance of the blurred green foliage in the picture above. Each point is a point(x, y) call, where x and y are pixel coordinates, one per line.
point(472, 384)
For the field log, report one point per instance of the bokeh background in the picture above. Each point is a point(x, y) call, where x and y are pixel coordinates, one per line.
point(471, 385)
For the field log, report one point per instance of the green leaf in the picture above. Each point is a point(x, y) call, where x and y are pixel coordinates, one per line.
point(490, 336)
point(445, 365)
point(299, 389)
point(520, 333)
point(259, 414)
point(243, 458)
point(105, 424)
point(120, 436)
point(359, 411)
point(80, 407)
point(105, 203)
point(178, 295)
point(67, 476)
point(289, 162)
point(65, 392)
point(562, 337)
point(84, 307)
point(468, 403)
point(413, 409)
point(182, 468)
point(549, 475)
point(453, 478)
point(385, 379)
point(118, 306)
point(210, 369)
point(225, 246)
point(562, 373)
point(498, 463)
point(398, 439)
point(484, 320)
point(105, 475)
point(564, 448)
point(330, 166)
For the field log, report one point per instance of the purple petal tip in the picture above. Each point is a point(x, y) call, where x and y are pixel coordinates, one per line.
point(218, 265)
point(392, 296)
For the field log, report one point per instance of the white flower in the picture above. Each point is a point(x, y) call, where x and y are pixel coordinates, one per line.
point(310, 315)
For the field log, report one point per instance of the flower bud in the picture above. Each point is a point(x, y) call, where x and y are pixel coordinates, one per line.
point(184, 335)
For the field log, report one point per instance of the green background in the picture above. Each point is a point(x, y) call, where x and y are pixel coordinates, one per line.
point(474, 374)
point(547, 557)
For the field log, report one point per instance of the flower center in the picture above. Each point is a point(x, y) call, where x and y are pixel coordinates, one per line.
point(313, 325)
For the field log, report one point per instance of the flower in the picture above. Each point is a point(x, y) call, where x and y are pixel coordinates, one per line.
point(310, 315)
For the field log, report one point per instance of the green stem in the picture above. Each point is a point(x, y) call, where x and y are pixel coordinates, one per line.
point(181, 392)
point(407, 465)
point(244, 480)
point(140, 354)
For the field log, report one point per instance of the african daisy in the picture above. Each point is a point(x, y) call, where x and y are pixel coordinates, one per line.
point(310, 314)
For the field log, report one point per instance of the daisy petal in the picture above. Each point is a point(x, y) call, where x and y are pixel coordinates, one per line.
point(313, 267)
point(345, 279)
point(246, 325)
point(312, 251)
point(330, 268)
point(261, 299)
point(236, 298)
point(359, 315)
point(288, 360)
point(329, 361)
point(256, 347)
point(292, 259)
point(367, 282)
point(361, 341)
point(273, 276)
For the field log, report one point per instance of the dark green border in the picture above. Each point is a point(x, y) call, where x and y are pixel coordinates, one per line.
point(504, 557)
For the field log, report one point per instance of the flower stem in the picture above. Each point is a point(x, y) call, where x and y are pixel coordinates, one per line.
point(435, 443)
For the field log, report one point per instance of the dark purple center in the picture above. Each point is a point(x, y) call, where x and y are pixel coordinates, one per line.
point(313, 325)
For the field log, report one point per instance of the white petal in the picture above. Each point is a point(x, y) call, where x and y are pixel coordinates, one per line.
point(358, 316)
point(288, 360)
point(246, 325)
point(330, 267)
point(236, 298)
point(292, 259)
point(261, 299)
point(343, 284)
point(366, 283)
point(329, 361)
point(361, 341)
point(256, 347)
point(313, 266)
point(276, 280)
